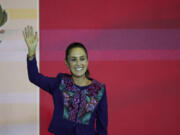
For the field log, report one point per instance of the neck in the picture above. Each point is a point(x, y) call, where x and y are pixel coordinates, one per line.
point(81, 81)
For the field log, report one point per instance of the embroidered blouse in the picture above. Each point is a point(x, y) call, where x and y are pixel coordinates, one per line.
point(76, 108)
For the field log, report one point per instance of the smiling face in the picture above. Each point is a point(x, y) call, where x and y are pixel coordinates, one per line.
point(77, 62)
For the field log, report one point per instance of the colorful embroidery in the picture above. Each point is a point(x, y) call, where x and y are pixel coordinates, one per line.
point(80, 104)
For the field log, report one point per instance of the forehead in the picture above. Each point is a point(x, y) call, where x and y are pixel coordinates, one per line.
point(76, 52)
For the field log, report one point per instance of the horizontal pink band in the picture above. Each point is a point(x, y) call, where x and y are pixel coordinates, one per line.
point(113, 55)
point(112, 39)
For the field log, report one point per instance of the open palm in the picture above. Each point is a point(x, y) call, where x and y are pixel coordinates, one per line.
point(31, 40)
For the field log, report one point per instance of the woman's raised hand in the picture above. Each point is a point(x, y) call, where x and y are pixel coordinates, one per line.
point(31, 39)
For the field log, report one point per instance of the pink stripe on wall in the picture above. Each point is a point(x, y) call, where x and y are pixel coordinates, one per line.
point(114, 39)
point(114, 55)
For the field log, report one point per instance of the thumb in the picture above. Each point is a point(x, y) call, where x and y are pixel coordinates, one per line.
point(36, 38)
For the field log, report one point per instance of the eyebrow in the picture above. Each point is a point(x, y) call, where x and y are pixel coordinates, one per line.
point(76, 57)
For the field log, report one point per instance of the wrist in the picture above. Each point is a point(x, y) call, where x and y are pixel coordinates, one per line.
point(31, 56)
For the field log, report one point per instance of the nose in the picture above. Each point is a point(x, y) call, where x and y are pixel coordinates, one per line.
point(78, 62)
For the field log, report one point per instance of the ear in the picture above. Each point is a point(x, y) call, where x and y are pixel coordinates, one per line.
point(67, 65)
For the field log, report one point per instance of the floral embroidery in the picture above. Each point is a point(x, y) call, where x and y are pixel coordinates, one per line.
point(80, 104)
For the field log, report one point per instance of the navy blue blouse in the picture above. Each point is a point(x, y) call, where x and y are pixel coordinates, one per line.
point(76, 108)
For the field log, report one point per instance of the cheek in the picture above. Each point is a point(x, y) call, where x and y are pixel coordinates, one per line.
point(85, 63)
point(71, 64)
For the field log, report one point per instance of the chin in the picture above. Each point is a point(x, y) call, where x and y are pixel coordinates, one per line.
point(78, 75)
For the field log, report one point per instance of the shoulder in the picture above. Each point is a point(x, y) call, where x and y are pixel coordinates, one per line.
point(102, 87)
point(98, 83)
point(97, 88)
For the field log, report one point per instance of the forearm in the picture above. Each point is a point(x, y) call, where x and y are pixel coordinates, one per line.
point(44, 82)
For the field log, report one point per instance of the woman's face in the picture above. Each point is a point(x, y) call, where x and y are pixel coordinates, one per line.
point(77, 62)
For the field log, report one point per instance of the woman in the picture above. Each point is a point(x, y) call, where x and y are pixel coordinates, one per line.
point(80, 102)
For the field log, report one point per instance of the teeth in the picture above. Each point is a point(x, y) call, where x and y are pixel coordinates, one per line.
point(78, 69)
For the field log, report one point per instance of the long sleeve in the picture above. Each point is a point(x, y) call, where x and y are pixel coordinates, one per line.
point(46, 83)
point(102, 116)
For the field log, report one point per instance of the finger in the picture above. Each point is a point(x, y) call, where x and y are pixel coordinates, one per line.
point(25, 38)
point(36, 37)
point(32, 31)
point(28, 31)
point(25, 33)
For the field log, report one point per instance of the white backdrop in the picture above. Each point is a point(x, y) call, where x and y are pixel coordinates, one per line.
point(19, 99)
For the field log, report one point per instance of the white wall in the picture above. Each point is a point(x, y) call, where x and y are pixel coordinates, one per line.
point(19, 99)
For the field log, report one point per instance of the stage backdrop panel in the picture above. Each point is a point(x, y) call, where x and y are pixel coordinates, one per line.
point(19, 99)
point(133, 48)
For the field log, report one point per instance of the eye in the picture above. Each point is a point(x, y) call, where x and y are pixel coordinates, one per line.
point(73, 59)
point(82, 58)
